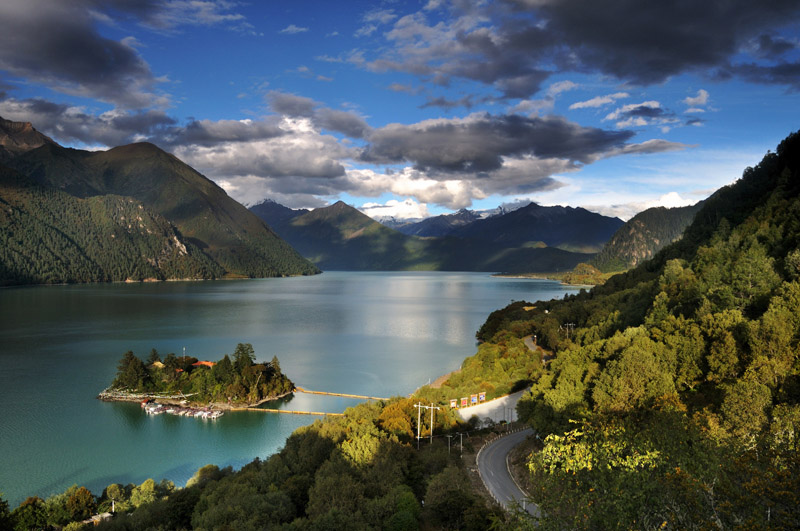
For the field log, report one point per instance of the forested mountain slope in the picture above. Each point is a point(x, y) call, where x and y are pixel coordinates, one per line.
point(234, 242)
point(48, 237)
point(643, 236)
point(673, 399)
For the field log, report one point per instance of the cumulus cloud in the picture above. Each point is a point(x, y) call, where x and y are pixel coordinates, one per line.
point(625, 211)
point(345, 122)
point(642, 114)
point(515, 45)
point(479, 142)
point(71, 124)
point(300, 151)
point(697, 101)
point(57, 45)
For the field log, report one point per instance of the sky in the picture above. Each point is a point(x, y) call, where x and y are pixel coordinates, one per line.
point(418, 108)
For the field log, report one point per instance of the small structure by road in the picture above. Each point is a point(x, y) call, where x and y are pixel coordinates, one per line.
point(499, 409)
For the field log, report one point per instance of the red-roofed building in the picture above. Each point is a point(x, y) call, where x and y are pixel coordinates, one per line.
point(203, 364)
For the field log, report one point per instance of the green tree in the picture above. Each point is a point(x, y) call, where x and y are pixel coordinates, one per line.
point(243, 357)
point(30, 514)
point(6, 521)
point(131, 373)
point(745, 409)
point(81, 504)
point(153, 357)
point(448, 498)
point(144, 493)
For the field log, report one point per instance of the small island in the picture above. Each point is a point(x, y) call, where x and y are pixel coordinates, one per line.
point(184, 385)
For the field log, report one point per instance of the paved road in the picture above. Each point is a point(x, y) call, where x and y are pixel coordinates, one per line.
point(493, 467)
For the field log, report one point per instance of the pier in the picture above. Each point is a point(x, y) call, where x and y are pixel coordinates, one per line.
point(346, 395)
point(288, 411)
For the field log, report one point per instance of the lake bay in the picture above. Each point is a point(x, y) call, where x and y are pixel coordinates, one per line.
point(378, 334)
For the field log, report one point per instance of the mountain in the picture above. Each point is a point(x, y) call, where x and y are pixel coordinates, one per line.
point(19, 137)
point(340, 237)
point(439, 225)
point(568, 228)
point(273, 213)
point(48, 236)
point(202, 213)
point(643, 236)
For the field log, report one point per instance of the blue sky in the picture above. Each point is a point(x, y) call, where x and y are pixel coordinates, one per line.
point(422, 107)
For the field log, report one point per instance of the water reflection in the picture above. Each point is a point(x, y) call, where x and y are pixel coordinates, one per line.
point(378, 334)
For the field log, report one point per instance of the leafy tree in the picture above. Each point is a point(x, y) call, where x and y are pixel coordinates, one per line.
point(745, 408)
point(30, 514)
point(6, 521)
point(81, 504)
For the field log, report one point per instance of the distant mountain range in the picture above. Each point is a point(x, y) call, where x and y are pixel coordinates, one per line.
point(130, 213)
point(341, 237)
point(136, 212)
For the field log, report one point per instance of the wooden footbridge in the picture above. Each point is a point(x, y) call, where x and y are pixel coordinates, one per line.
point(307, 391)
point(301, 390)
point(287, 411)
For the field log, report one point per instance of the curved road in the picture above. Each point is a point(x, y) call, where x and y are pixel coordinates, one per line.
point(493, 468)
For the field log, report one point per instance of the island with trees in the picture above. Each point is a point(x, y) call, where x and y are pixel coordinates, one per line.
point(235, 380)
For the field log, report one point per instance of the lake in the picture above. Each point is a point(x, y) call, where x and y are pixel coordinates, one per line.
point(376, 334)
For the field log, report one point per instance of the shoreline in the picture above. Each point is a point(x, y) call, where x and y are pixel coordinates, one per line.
point(106, 396)
point(536, 276)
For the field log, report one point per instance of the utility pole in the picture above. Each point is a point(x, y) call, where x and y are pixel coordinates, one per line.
point(448, 443)
point(419, 412)
point(419, 407)
point(462, 444)
point(432, 408)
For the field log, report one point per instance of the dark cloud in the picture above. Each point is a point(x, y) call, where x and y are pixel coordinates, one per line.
point(446, 104)
point(784, 73)
point(70, 125)
point(209, 133)
point(479, 142)
point(515, 45)
point(56, 44)
point(773, 47)
point(290, 104)
point(344, 122)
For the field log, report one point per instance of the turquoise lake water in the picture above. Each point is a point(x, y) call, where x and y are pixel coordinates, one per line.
point(377, 334)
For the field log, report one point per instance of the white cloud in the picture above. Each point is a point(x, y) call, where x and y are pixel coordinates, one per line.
point(599, 101)
point(561, 86)
point(696, 101)
point(546, 104)
point(405, 209)
point(291, 29)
